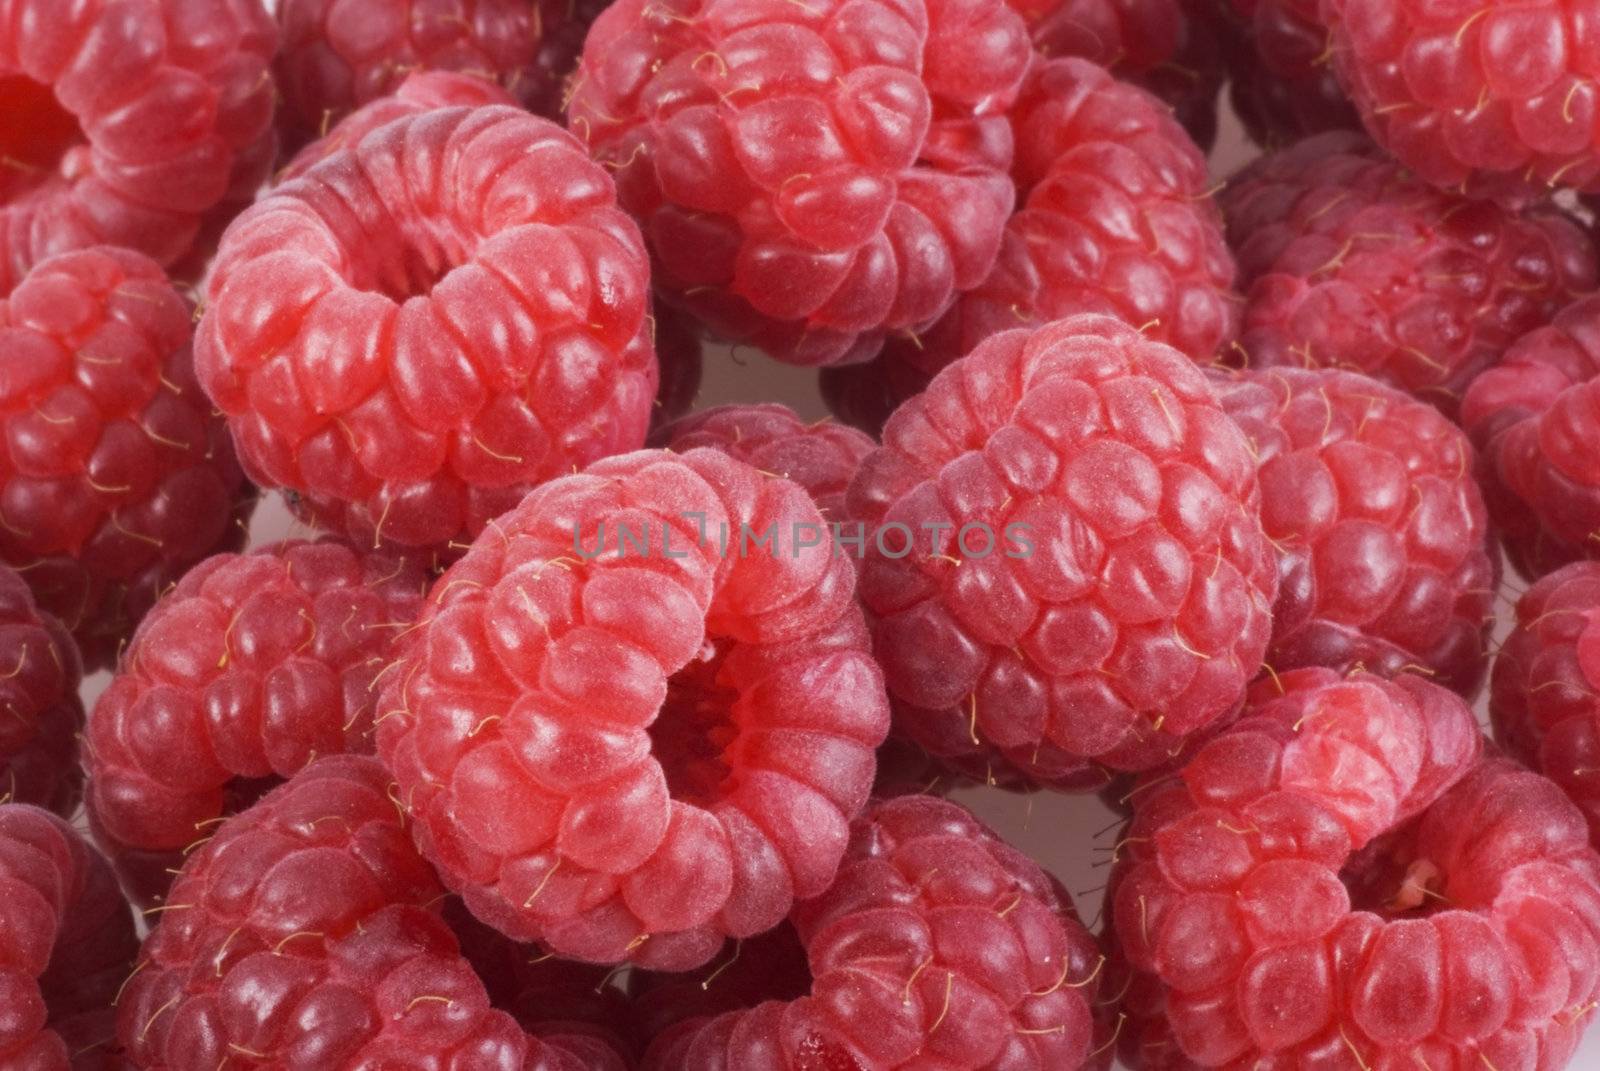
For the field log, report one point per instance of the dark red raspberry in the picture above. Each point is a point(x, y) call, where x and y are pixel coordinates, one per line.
point(40, 713)
point(429, 323)
point(306, 934)
point(821, 457)
point(116, 475)
point(1476, 95)
point(1534, 418)
point(1348, 261)
point(1112, 592)
point(66, 945)
point(252, 667)
point(678, 353)
point(626, 728)
point(1281, 79)
point(938, 946)
point(1545, 694)
point(1339, 881)
point(809, 177)
point(127, 122)
point(1385, 559)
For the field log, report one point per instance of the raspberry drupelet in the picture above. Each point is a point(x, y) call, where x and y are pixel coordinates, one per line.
point(116, 476)
point(128, 122)
point(627, 728)
point(938, 945)
point(1121, 599)
point(821, 457)
point(66, 945)
point(1348, 261)
point(1340, 880)
point(1282, 84)
point(306, 933)
point(40, 713)
point(810, 178)
point(252, 667)
point(428, 323)
point(1385, 558)
point(1533, 418)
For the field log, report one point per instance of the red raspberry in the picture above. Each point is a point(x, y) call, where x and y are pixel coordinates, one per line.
point(1339, 881)
point(1533, 417)
point(39, 678)
point(1348, 261)
point(938, 946)
point(116, 475)
point(424, 326)
point(631, 750)
point(1385, 560)
point(127, 122)
point(678, 352)
point(821, 457)
point(65, 947)
point(1477, 95)
point(1545, 693)
point(809, 177)
point(254, 665)
point(301, 936)
point(1282, 83)
point(1132, 605)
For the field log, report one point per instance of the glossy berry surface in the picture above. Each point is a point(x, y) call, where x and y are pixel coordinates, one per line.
point(424, 326)
point(938, 946)
point(1534, 419)
point(1122, 598)
point(1385, 557)
point(67, 944)
point(809, 178)
point(821, 457)
point(252, 667)
point(626, 728)
point(1338, 877)
point(1282, 83)
point(116, 474)
point(1348, 261)
point(128, 122)
point(39, 678)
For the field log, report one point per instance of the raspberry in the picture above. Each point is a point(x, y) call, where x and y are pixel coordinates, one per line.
point(1283, 87)
point(820, 457)
point(39, 678)
point(254, 665)
point(1532, 417)
point(1385, 560)
point(1339, 880)
point(1486, 97)
point(301, 936)
point(1120, 597)
point(677, 342)
point(1348, 261)
point(429, 323)
point(1544, 698)
point(768, 966)
point(630, 750)
point(116, 476)
point(809, 178)
point(128, 122)
point(66, 945)
point(938, 946)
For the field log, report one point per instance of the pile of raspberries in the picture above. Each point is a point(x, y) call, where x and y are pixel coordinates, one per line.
point(577, 726)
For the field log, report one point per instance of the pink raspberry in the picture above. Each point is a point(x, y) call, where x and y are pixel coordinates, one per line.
point(1385, 559)
point(1485, 97)
point(128, 122)
point(1533, 417)
point(821, 457)
point(65, 948)
point(427, 324)
point(252, 667)
point(116, 475)
point(1339, 880)
point(939, 945)
point(1079, 579)
point(627, 728)
point(1545, 693)
point(303, 934)
point(1282, 83)
point(1350, 262)
point(39, 678)
point(810, 178)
